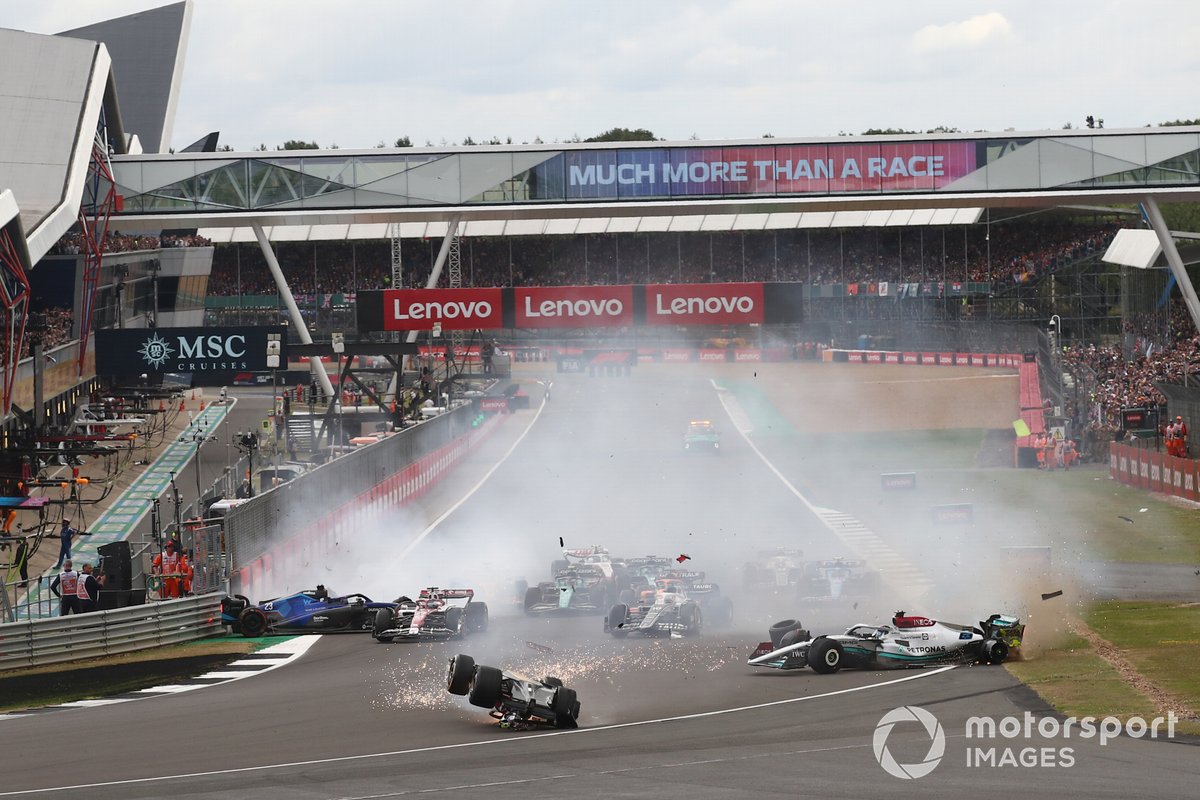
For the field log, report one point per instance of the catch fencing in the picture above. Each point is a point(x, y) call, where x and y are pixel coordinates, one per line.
point(55, 640)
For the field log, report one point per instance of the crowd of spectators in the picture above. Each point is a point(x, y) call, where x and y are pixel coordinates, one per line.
point(73, 244)
point(1108, 380)
point(54, 328)
point(1003, 253)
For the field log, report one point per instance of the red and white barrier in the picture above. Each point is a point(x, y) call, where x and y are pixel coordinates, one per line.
point(1155, 471)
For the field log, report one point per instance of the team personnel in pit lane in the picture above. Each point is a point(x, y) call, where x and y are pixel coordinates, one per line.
point(66, 587)
point(88, 590)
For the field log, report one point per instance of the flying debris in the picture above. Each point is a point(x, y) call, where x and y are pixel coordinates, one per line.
point(541, 648)
point(1127, 519)
point(560, 542)
point(1052, 595)
point(682, 557)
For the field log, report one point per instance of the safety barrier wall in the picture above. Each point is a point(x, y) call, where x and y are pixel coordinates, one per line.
point(1154, 470)
point(290, 538)
point(54, 640)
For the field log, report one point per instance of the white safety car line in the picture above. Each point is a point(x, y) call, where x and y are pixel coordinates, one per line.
point(251, 664)
point(515, 740)
point(896, 570)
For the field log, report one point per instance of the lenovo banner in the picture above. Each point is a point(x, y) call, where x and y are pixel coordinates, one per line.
point(421, 309)
point(573, 307)
point(195, 350)
point(580, 306)
point(704, 304)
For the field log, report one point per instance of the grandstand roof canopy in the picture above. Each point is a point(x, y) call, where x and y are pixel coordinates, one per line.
point(52, 90)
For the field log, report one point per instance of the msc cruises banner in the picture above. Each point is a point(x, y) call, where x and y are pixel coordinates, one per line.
point(158, 350)
point(580, 306)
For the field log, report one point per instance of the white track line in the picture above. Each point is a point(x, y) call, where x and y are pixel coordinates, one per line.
point(442, 518)
point(856, 536)
point(488, 742)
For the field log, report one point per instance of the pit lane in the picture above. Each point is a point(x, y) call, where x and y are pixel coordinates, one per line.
point(354, 718)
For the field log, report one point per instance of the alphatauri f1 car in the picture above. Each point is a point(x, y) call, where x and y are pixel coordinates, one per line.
point(907, 642)
point(516, 701)
point(312, 611)
point(436, 613)
point(663, 611)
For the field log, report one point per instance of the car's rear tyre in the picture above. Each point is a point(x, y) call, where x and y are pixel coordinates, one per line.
point(617, 616)
point(454, 621)
point(690, 616)
point(794, 636)
point(825, 656)
point(720, 611)
point(462, 670)
point(780, 628)
point(485, 687)
point(383, 621)
point(533, 596)
point(993, 651)
point(627, 597)
point(550, 680)
point(566, 708)
point(253, 622)
point(477, 617)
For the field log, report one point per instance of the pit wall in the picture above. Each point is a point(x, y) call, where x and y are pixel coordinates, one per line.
point(1153, 470)
point(296, 554)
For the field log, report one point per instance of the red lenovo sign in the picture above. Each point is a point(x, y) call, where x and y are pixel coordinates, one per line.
point(455, 309)
point(574, 307)
point(704, 304)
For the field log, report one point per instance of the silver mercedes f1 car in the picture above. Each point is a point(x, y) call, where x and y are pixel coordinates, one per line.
point(908, 642)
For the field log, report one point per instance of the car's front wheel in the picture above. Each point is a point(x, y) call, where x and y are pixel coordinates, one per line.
point(617, 618)
point(462, 672)
point(485, 688)
point(825, 656)
point(383, 622)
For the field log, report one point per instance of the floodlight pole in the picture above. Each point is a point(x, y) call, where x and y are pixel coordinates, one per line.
point(1173, 260)
point(285, 291)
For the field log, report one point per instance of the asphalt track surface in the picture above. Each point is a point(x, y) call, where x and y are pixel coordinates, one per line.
point(661, 717)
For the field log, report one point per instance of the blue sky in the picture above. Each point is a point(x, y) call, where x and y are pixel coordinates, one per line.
point(354, 74)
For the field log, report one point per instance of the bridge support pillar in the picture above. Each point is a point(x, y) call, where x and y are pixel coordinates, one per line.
point(285, 291)
point(1154, 215)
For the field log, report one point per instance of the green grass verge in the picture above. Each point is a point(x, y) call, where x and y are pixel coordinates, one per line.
point(1160, 639)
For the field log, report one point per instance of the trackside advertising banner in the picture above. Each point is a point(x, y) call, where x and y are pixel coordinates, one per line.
point(573, 307)
point(580, 306)
point(421, 309)
point(704, 304)
point(133, 351)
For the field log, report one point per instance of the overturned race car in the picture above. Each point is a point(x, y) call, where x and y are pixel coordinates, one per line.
point(908, 642)
point(517, 702)
point(435, 614)
point(310, 611)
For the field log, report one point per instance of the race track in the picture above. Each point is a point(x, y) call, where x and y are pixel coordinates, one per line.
point(602, 464)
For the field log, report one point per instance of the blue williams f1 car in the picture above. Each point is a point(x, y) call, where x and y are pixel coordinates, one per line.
point(312, 611)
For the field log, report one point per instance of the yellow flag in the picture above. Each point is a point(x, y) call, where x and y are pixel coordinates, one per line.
point(1020, 427)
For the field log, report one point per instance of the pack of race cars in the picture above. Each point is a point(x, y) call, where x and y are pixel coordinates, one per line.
point(643, 596)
